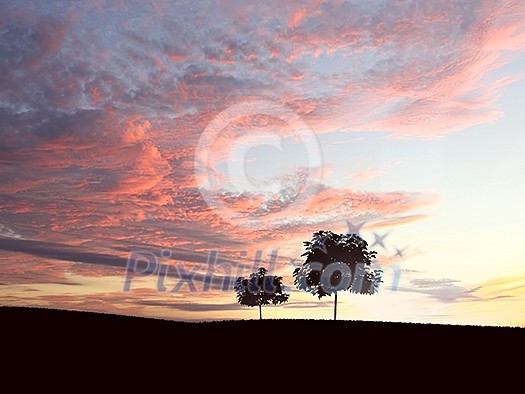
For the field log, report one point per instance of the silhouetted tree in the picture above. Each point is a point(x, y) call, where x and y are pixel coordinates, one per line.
point(260, 289)
point(336, 262)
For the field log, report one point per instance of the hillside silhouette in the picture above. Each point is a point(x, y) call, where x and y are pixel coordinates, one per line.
point(51, 330)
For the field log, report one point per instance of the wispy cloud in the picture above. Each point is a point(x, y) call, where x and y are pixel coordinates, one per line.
point(447, 290)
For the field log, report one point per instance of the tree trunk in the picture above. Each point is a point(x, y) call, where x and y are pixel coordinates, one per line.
point(260, 312)
point(335, 306)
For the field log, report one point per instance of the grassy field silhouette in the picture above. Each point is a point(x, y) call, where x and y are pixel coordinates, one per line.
point(46, 330)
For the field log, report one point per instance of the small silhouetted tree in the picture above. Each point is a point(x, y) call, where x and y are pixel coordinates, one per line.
point(336, 262)
point(260, 289)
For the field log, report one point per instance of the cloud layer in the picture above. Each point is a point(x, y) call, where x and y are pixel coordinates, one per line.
point(102, 105)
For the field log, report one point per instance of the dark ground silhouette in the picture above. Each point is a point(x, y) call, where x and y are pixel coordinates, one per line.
point(49, 330)
point(55, 347)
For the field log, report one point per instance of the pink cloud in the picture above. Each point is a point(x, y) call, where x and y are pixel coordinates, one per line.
point(364, 176)
point(100, 127)
point(296, 18)
point(441, 92)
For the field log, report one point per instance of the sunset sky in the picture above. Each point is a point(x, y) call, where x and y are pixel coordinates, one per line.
point(177, 131)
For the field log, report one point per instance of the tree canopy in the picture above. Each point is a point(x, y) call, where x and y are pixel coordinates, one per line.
point(337, 262)
point(260, 289)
